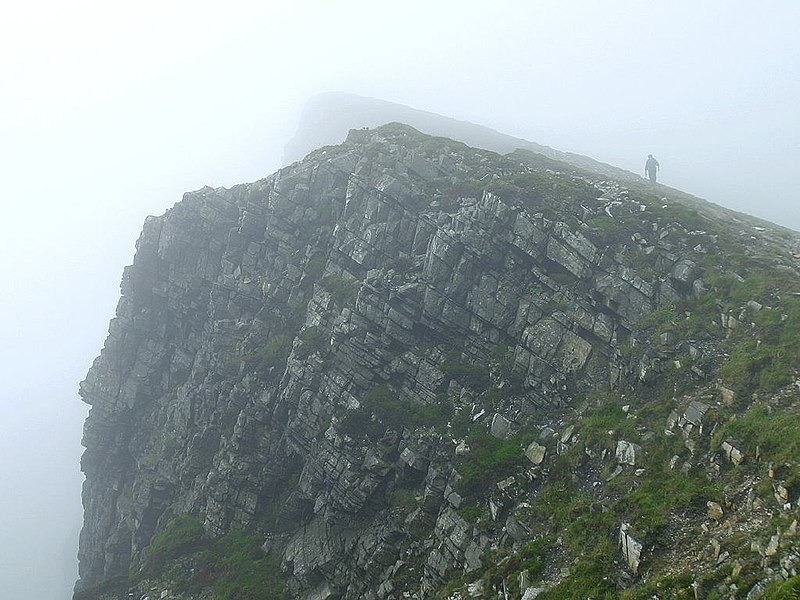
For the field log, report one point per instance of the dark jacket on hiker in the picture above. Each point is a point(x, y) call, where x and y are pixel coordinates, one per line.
point(651, 168)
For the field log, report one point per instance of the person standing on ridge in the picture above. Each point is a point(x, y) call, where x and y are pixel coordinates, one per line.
point(651, 168)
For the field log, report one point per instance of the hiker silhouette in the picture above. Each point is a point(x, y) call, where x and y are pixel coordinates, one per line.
point(651, 168)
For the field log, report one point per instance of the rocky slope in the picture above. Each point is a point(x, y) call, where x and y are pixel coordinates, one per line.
point(407, 368)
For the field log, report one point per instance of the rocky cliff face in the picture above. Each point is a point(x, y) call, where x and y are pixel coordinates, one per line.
point(409, 368)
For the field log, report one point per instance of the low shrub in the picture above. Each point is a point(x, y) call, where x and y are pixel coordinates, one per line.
point(233, 566)
point(342, 290)
point(381, 409)
point(783, 590)
point(471, 376)
point(237, 569)
point(489, 459)
point(271, 356)
point(182, 535)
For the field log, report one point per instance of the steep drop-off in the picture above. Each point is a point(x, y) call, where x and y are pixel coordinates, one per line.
point(407, 368)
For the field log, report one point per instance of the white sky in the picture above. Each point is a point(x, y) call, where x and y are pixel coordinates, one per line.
point(110, 110)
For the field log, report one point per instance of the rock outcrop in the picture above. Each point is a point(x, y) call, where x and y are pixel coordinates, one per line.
point(400, 360)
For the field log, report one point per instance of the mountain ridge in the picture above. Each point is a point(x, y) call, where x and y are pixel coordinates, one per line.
point(411, 368)
point(327, 117)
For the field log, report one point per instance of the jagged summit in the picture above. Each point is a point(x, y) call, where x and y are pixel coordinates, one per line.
point(407, 367)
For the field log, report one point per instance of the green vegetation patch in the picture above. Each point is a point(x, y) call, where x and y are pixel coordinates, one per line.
point(237, 569)
point(686, 217)
point(762, 357)
point(542, 188)
point(529, 557)
point(313, 340)
point(677, 588)
point(342, 290)
point(381, 408)
point(271, 356)
point(650, 498)
point(181, 536)
point(765, 359)
point(589, 577)
point(603, 228)
point(587, 532)
point(785, 590)
point(775, 433)
point(475, 377)
point(233, 566)
point(504, 565)
point(649, 505)
point(608, 417)
point(489, 459)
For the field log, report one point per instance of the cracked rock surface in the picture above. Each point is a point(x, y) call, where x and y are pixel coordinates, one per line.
point(304, 358)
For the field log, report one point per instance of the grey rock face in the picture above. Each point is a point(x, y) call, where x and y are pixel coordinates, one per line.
point(533, 592)
point(627, 452)
point(732, 453)
point(281, 350)
point(535, 453)
point(501, 427)
point(631, 549)
point(695, 412)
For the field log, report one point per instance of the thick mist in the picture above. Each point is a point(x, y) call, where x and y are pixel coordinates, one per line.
point(109, 112)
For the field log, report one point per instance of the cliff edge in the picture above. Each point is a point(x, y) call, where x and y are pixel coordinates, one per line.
point(407, 368)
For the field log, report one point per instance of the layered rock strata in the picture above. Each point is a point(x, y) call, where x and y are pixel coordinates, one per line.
point(268, 333)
